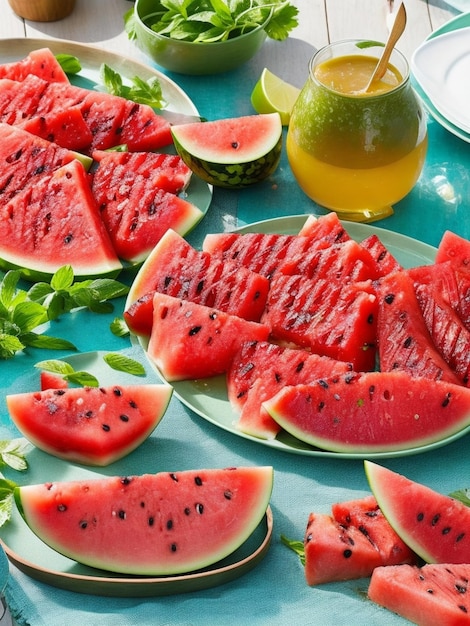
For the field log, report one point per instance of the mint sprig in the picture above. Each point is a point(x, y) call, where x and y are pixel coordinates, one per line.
point(141, 91)
point(23, 311)
point(217, 20)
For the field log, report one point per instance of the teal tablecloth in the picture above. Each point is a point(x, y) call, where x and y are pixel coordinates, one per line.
point(274, 592)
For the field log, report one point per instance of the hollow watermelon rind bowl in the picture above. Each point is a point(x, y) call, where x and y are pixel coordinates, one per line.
point(208, 397)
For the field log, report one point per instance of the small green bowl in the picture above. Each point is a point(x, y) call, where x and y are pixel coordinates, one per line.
point(185, 57)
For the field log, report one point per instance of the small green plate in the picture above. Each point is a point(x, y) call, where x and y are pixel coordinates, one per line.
point(42, 563)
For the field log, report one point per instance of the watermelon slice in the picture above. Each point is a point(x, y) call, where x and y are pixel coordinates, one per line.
point(372, 412)
point(161, 524)
point(48, 380)
point(454, 248)
point(65, 128)
point(89, 425)
point(137, 209)
point(386, 262)
point(447, 331)
point(191, 341)
point(429, 595)
point(403, 338)
point(53, 223)
point(260, 369)
point(41, 63)
point(174, 267)
point(433, 525)
point(325, 227)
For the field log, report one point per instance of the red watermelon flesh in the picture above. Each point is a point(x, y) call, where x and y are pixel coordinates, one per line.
point(52, 381)
point(41, 63)
point(259, 370)
point(65, 128)
point(191, 341)
point(403, 339)
point(24, 158)
point(335, 553)
point(165, 171)
point(160, 524)
point(365, 515)
point(372, 412)
point(174, 267)
point(56, 222)
point(325, 227)
point(386, 262)
point(447, 331)
point(433, 525)
point(89, 425)
point(428, 595)
point(328, 317)
point(454, 248)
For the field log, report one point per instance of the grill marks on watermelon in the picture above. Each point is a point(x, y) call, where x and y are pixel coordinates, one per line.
point(136, 194)
point(111, 120)
point(260, 369)
point(160, 524)
point(428, 595)
point(403, 337)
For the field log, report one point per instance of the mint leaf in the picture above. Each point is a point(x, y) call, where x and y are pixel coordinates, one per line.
point(119, 327)
point(7, 488)
point(296, 546)
point(68, 373)
point(12, 453)
point(124, 363)
point(69, 63)
point(463, 495)
point(143, 92)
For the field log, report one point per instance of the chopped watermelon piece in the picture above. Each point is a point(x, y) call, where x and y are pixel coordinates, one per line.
point(335, 553)
point(41, 63)
point(89, 425)
point(65, 128)
point(429, 595)
point(386, 262)
point(156, 524)
point(454, 248)
point(192, 341)
point(403, 338)
point(372, 412)
point(325, 227)
point(48, 380)
point(328, 317)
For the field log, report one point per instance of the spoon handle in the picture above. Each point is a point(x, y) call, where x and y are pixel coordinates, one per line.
point(395, 34)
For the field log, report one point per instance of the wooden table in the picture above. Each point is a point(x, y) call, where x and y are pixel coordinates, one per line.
point(99, 22)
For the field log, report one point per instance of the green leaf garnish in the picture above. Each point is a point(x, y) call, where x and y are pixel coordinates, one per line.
point(215, 20)
point(69, 63)
point(22, 312)
point(12, 453)
point(119, 327)
point(463, 495)
point(296, 546)
point(68, 373)
point(124, 363)
point(362, 45)
point(144, 92)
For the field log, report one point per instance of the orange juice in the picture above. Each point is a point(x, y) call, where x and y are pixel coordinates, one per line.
point(354, 152)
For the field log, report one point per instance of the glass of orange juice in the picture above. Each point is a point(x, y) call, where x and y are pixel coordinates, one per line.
point(354, 151)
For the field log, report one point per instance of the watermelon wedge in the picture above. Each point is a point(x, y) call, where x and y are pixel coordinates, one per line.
point(160, 524)
point(429, 595)
point(433, 525)
point(41, 63)
point(372, 411)
point(191, 341)
point(89, 425)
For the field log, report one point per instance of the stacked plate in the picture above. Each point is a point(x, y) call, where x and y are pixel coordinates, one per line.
point(441, 70)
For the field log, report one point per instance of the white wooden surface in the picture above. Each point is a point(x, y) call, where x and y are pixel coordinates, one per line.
point(100, 22)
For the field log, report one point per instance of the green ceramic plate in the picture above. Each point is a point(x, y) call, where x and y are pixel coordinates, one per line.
point(42, 563)
point(461, 21)
point(91, 59)
point(208, 397)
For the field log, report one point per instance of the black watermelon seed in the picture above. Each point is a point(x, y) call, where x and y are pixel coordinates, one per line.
point(461, 588)
point(228, 494)
point(460, 537)
point(187, 511)
point(435, 519)
point(420, 517)
point(133, 404)
point(126, 480)
point(151, 521)
point(198, 481)
point(463, 608)
point(61, 507)
point(169, 524)
point(117, 391)
point(173, 547)
point(106, 427)
point(124, 418)
point(446, 400)
point(199, 508)
point(122, 514)
point(389, 298)
point(83, 524)
point(194, 330)
point(174, 477)
point(347, 553)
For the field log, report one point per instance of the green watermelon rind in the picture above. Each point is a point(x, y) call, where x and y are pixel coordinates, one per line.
point(125, 559)
point(396, 495)
point(43, 272)
point(229, 171)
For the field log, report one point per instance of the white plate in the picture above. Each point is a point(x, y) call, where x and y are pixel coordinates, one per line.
point(208, 397)
point(441, 65)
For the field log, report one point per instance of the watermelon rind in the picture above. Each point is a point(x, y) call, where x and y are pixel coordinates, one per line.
point(153, 524)
point(231, 153)
point(433, 525)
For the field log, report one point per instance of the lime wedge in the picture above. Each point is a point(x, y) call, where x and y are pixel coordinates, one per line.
point(271, 94)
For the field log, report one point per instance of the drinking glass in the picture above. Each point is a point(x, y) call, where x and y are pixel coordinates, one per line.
point(354, 151)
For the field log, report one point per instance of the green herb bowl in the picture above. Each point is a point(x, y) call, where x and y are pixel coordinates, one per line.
point(185, 57)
